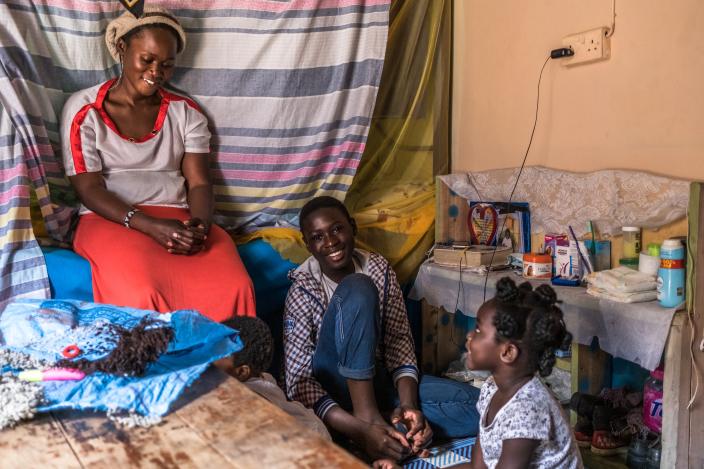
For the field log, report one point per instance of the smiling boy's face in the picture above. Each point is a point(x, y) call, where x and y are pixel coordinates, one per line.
point(329, 236)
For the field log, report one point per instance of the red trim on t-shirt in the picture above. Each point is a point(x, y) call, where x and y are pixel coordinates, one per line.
point(158, 124)
point(75, 133)
point(79, 162)
point(175, 97)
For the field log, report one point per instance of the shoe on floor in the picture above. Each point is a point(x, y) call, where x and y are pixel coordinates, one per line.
point(583, 431)
point(583, 404)
point(605, 443)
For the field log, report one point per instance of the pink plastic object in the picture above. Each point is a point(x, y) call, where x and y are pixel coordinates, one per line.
point(62, 374)
point(652, 400)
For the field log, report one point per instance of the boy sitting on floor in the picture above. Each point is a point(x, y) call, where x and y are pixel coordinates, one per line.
point(248, 366)
point(349, 351)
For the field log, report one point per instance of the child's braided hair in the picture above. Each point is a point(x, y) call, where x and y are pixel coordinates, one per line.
point(533, 318)
point(258, 349)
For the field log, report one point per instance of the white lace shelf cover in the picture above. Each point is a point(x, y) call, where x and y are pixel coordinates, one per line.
point(558, 199)
point(633, 331)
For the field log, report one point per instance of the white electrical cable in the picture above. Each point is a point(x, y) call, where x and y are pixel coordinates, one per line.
point(518, 176)
point(690, 321)
point(610, 32)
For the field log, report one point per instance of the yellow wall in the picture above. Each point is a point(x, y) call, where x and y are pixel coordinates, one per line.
point(641, 109)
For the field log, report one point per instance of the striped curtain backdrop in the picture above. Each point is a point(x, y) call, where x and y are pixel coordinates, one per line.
point(288, 85)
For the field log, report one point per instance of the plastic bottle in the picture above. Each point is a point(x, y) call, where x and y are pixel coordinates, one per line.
point(637, 457)
point(654, 249)
point(652, 400)
point(671, 275)
point(631, 241)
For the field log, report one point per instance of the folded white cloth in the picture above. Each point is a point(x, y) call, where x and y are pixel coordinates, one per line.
point(623, 297)
point(622, 280)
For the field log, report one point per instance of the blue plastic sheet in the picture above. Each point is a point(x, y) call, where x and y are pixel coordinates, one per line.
point(43, 328)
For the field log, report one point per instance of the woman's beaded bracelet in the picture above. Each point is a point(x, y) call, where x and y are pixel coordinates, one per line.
point(129, 216)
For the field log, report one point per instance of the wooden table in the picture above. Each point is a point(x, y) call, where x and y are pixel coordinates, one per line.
point(217, 423)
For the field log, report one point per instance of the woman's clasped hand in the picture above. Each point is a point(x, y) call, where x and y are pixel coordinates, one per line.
point(176, 236)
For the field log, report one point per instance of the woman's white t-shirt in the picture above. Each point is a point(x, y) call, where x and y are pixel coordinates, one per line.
point(142, 171)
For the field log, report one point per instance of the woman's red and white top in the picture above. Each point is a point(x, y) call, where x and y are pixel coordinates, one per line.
point(140, 171)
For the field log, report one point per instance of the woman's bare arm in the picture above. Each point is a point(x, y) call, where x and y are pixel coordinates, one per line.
point(196, 170)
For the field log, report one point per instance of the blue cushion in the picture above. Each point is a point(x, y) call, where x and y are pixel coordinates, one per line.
point(69, 275)
point(269, 273)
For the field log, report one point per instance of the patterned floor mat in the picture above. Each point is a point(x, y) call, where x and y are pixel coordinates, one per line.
point(456, 452)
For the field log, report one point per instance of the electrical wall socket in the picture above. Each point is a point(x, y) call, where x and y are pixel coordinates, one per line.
point(588, 46)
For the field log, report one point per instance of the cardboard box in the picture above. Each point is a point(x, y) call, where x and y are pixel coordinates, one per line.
point(469, 256)
point(552, 242)
point(451, 212)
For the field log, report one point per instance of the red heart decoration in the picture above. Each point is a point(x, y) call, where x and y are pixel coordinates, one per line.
point(482, 221)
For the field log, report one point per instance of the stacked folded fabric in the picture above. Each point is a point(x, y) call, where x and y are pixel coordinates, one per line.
point(623, 285)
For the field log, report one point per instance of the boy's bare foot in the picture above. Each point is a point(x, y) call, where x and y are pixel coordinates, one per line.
point(385, 464)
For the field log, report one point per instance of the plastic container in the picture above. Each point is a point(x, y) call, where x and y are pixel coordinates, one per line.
point(631, 241)
point(671, 275)
point(654, 456)
point(654, 249)
point(649, 264)
point(630, 263)
point(652, 400)
point(537, 266)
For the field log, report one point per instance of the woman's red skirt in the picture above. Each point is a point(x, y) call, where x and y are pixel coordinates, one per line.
point(131, 269)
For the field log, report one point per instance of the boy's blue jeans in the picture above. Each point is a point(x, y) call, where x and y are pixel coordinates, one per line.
point(349, 335)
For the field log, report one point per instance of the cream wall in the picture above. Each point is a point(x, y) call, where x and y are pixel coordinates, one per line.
point(641, 109)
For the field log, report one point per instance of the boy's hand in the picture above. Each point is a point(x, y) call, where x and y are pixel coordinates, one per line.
point(419, 432)
point(383, 442)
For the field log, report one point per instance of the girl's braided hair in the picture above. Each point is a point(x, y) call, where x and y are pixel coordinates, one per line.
point(532, 318)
